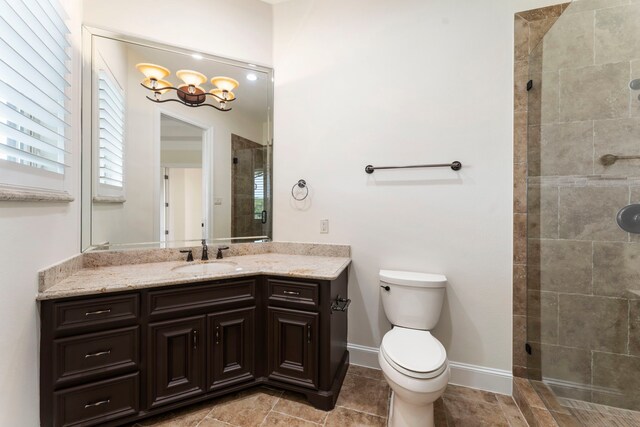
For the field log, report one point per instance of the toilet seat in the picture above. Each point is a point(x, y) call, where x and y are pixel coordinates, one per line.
point(414, 353)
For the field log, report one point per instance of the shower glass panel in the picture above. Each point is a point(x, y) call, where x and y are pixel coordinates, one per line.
point(583, 278)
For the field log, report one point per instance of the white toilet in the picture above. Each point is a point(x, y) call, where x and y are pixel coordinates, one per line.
point(412, 360)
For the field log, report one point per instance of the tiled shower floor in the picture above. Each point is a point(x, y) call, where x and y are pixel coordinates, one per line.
point(363, 401)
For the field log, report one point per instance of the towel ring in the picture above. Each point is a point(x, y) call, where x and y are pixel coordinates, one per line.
point(301, 184)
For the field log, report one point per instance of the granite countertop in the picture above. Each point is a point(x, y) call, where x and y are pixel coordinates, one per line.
point(118, 278)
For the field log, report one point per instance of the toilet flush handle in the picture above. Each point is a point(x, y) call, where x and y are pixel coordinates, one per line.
point(386, 288)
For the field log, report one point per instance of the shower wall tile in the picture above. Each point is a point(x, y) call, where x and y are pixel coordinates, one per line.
point(619, 374)
point(634, 327)
point(538, 29)
point(588, 213)
point(542, 13)
point(542, 204)
point(595, 92)
point(570, 43)
point(616, 268)
point(617, 34)
point(521, 39)
point(633, 94)
point(543, 98)
point(560, 266)
point(619, 137)
point(520, 189)
point(566, 364)
point(521, 77)
point(520, 138)
point(520, 238)
point(542, 317)
point(533, 150)
point(564, 149)
point(634, 197)
point(585, 5)
point(520, 290)
point(519, 340)
point(593, 323)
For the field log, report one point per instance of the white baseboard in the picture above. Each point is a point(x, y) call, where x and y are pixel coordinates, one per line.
point(464, 374)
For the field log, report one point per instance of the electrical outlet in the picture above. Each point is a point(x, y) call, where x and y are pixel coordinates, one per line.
point(324, 226)
point(217, 201)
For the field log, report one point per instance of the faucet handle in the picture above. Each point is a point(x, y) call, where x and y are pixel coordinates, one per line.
point(190, 256)
point(220, 249)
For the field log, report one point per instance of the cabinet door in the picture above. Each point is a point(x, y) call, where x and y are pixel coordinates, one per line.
point(176, 359)
point(230, 346)
point(293, 346)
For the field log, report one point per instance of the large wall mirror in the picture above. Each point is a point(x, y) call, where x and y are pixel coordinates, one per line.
point(165, 167)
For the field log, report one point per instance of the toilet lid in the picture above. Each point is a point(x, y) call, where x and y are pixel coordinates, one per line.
point(414, 352)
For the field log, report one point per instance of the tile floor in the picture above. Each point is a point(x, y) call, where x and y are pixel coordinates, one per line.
point(586, 414)
point(363, 401)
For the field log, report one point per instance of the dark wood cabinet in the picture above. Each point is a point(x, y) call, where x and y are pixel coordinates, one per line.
point(115, 359)
point(293, 346)
point(176, 360)
point(230, 344)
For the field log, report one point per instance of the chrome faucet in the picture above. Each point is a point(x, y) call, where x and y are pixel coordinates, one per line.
point(205, 250)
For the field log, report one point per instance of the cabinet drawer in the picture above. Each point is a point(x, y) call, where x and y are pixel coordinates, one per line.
point(287, 293)
point(106, 311)
point(201, 296)
point(97, 402)
point(86, 356)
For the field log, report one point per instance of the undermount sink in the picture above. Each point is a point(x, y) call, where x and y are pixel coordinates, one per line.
point(208, 267)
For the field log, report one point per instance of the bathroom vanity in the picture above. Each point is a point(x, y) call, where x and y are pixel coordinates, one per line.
point(124, 342)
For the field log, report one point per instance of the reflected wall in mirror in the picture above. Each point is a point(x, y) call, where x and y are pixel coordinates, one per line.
point(165, 174)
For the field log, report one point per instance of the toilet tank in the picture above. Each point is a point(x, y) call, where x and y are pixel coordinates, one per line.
point(412, 300)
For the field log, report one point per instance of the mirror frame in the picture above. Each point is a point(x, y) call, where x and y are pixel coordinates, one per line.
point(87, 167)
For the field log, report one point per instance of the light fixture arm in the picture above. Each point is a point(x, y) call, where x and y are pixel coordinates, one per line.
point(204, 94)
point(161, 101)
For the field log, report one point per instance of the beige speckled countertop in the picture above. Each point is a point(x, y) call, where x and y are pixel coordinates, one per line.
point(100, 280)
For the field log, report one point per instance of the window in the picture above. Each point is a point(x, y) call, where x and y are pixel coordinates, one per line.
point(258, 193)
point(34, 93)
point(111, 131)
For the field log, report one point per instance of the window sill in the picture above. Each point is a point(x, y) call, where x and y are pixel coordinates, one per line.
point(109, 199)
point(22, 194)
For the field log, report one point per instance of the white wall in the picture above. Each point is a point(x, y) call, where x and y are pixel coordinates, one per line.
point(411, 81)
point(238, 29)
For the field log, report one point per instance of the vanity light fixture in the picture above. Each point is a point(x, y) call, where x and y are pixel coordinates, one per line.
point(190, 93)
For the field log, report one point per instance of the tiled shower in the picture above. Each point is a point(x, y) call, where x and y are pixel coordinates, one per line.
point(582, 314)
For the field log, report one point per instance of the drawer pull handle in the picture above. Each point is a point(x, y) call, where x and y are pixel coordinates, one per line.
point(100, 403)
point(218, 334)
point(100, 353)
point(291, 292)
point(195, 339)
point(93, 313)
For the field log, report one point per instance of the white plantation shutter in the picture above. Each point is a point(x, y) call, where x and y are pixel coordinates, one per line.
point(111, 131)
point(258, 193)
point(34, 82)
